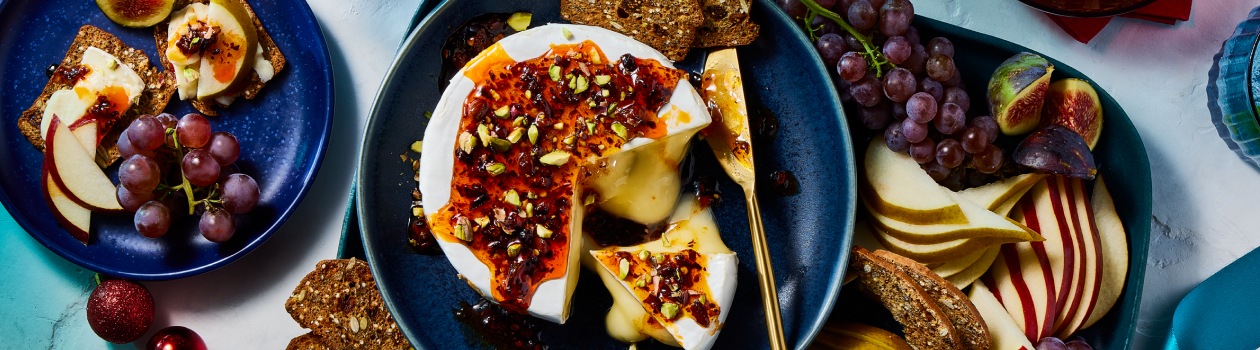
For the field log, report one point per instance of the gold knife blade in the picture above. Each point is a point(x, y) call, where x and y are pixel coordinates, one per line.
point(729, 137)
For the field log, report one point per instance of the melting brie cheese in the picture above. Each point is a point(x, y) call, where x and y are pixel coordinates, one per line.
point(106, 74)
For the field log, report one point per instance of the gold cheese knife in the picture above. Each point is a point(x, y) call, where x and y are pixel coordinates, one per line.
point(731, 141)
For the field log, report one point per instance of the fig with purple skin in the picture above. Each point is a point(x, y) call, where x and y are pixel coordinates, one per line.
point(1057, 150)
point(1017, 91)
point(1073, 104)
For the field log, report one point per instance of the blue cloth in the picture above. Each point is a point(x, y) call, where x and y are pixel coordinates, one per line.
point(1223, 312)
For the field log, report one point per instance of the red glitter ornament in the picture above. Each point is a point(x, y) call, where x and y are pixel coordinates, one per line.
point(120, 311)
point(176, 338)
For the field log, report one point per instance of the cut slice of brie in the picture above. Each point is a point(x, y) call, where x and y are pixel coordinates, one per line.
point(105, 74)
point(692, 229)
point(683, 116)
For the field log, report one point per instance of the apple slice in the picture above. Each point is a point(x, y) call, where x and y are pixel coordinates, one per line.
point(76, 172)
point(71, 106)
point(895, 186)
point(227, 63)
point(73, 217)
point(1115, 253)
point(1005, 331)
point(1089, 252)
point(1024, 283)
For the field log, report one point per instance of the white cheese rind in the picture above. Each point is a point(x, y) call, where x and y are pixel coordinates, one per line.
point(551, 299)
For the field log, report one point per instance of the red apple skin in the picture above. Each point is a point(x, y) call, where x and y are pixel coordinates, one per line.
point(50, 164)
point(1066, 217)
point(84, 236)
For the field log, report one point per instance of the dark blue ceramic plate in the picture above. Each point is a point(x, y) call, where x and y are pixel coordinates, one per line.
point(1120, 156)
point(282, 133)
point(808, 232)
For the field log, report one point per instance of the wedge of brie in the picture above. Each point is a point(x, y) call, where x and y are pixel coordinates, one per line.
point(523, 129)
point(107, 81)
point(677, 289)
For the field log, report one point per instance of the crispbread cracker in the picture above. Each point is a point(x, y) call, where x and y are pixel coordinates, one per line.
point(726, 23)
point(270, 50)
point(962, 313)
point(308, 341)
point(341, 305)
point(668, 26)
point(926, 325)
point(159, 86)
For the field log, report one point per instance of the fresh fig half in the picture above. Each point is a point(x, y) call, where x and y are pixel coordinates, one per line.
point(136, 13)
point(1057, 150)
point(1017, 91)
point(1073, 104)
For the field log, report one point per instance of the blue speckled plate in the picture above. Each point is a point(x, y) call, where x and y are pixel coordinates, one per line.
point(283, 133)
point(808, 233)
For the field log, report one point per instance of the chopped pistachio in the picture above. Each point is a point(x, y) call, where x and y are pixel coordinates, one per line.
point(567, 34)
point(190, 74)
point(113, 64)
point(703, 299)
point(512, 197)
point(482, 221)
point(558, 126)
point(417, 146)
point(595, 57)
point(428, 115)
point(519, 121)
point(519, 21)
point(529, 94)
point(602, 79)
point(623, 96)
point(533, 134)
point(590, 199)
point(543, 232)
point(417, 211)
point(582, 85)
point(569, 140)
point(590, 127)
point(502, 112)
point(494, 95)
point(516, 134)
point(603, 93)
point(590, 104)
point(555, 158)
point(463, 230)
point(623, 268)
point(643, 254)
point(514, 249)
point(529, 210)
point(466, 142)
point(483, 134)
point(500, 145)
point(640, 283)
point(554, 72)
point(665, 242)
point(620, 130)
point(669, 310)
point(495, 168)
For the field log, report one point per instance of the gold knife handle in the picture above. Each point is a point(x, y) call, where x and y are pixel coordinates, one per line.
point(765, 273)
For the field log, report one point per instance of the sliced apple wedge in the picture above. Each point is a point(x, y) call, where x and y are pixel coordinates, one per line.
point(1005, 331)
point(76, 173)
point(895, 186)
point(980, 224)
point(1115, 253)
point(992, 196)
point(1084, 229)
point(226, 64)
point(73, 217)
point(71, 106)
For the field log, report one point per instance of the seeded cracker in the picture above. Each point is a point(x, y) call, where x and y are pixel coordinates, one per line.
point(669, 26)
point(159, 86)
point(341, 305)
point(270, 51)
point(962, 313)
point(726, 23)
point(926, 325)
point(308, 341)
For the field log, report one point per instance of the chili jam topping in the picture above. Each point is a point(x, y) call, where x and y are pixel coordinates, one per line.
point(525, 134)
point(670, 285)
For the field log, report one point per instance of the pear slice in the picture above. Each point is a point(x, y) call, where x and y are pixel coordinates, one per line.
point(953, 267)
point(895, 186)
point(966, 277)
point(931, 253)
point(980, 223)
point(226, 64)
point(1005, 331)
point(993, 195)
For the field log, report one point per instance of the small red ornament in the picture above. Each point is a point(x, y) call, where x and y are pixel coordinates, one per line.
point(120, 311)
point(176, 338)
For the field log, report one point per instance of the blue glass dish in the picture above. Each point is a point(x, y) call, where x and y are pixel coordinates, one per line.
point(808, 233)
point(1233, 86)
point(283, 133)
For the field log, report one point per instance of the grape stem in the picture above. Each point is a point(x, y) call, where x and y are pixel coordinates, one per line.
point(870, 51)
point(184, 184)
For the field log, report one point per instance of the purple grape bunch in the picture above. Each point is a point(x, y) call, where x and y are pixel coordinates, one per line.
point(176, 166)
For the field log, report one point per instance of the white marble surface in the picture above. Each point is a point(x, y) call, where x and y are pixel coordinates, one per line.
point(1158, 73)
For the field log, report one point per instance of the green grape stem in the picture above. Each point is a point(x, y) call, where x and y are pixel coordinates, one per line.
point(184, 184)
point(870, 51)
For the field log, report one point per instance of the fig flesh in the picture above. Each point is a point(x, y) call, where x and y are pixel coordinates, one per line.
point(136, 13)
point(1056, 150)
point(1073, 104)
point(1017, 91)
